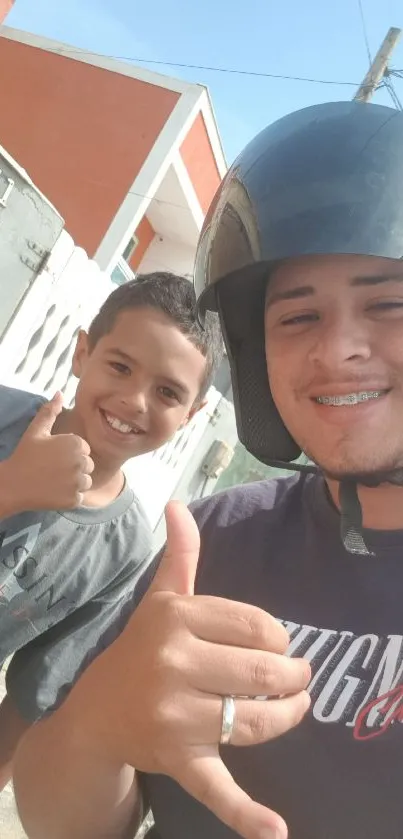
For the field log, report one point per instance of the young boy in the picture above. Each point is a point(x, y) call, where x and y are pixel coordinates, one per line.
point(73, 536)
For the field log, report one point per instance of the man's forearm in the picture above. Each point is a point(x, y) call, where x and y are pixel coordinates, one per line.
point(63, 790)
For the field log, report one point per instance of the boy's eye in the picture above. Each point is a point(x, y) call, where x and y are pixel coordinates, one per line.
point(168, 393)
point(120, 368)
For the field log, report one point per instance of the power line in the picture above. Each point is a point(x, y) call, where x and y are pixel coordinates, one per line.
point(203, 67)
point(364, 30)
point(240, 72)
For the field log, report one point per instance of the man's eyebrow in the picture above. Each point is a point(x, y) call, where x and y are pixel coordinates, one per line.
point(306, 291)
point(174, 383)
point(376, 280)
point(291, 294)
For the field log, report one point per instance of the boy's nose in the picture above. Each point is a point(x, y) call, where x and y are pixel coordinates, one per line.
point(136, 401)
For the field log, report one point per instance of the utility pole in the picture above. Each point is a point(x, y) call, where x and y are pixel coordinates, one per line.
point(379, 67)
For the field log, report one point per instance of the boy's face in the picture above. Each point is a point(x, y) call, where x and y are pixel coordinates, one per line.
point(137, 386)
point(334, 347)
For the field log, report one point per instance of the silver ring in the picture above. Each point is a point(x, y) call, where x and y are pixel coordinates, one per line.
point(228, 719)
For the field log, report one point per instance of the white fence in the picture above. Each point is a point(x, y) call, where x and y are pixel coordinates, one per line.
point(36, 353)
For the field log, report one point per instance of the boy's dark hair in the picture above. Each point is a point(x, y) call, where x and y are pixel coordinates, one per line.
point(175, 297)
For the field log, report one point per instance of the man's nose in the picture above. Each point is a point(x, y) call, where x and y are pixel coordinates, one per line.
point(340, 343)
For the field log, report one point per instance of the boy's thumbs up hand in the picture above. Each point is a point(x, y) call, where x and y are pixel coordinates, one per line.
point(45, 471)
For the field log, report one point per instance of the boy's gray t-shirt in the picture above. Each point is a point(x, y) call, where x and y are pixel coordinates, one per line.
point(64, 580)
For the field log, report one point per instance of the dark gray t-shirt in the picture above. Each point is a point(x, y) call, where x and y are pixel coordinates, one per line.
point(339, 774)
point(64, 579)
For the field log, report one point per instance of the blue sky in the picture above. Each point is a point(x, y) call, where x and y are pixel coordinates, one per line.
point(315, 38)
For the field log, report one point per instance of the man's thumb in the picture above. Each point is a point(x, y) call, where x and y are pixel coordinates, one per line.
point(46, 416)
point(177, 570)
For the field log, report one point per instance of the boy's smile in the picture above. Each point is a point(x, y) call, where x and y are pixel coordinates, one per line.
point(119, 429)
point(121, 426)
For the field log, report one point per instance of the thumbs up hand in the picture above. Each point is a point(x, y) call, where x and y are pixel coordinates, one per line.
point(46, 472)
point(154, 699)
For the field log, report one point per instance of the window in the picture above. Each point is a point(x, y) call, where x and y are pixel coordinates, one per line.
point(130, 248)
point(122, 273)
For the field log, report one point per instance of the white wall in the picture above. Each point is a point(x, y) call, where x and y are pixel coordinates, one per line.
point(155, 476)
point(166, 255)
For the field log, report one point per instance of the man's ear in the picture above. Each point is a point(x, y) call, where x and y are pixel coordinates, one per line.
point(193, 411)
point(81, 353)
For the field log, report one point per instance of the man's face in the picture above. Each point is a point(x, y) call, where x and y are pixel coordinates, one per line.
point(137, 385)
point(334, 348)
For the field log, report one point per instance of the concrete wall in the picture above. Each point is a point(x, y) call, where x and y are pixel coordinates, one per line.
point(198, 157)
point(166, 255)
point(145, 234)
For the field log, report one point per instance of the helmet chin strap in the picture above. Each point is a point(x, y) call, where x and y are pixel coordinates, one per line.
point(351, 529)
point(351, 519)
point(292, 467)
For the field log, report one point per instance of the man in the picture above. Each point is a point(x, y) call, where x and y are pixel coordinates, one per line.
point(300, 255)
